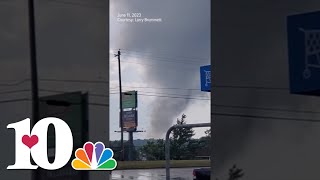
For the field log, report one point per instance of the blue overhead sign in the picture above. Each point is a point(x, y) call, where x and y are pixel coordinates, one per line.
point(205, 74)
point(304, 53)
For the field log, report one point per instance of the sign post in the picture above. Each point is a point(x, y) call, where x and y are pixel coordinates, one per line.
point(129, 117)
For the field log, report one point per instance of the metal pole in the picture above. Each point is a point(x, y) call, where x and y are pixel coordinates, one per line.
point(34, 73)
point(121, 110)
point(130, 145)
point(167, 143)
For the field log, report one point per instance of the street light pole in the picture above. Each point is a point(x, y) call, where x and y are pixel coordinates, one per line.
point(121, 110)
point(34, 73)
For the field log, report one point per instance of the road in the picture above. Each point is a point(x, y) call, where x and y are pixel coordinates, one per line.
point(152, 174)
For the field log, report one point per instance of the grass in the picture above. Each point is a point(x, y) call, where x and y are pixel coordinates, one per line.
point(161, 164)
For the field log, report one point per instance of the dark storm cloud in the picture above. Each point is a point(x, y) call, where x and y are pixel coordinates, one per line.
point(185, 31)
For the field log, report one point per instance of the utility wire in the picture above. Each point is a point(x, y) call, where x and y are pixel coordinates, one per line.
point(182, 95)
point(251, 87)
point(216, 114)
point(14, 83)
point(14, 91)
point(160, 93)
point(14, 100)
point(172, 97)
point(175, 97)
point(166, 54)
point(186, 66)
point(74, 81)
point(25, 99)
point(115, 93)
point(265, 109)
point(76, 4)
point(265, 117)
point(165, 60)
point(146, 87)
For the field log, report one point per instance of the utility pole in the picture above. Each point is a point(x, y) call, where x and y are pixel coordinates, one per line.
point(121, 110)
point(130, 132)
point(34, 73)
point(131, 145)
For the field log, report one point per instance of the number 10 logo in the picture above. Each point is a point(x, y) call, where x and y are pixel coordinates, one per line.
point(34, 142)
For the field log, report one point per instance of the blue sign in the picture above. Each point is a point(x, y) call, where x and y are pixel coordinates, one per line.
point(205, 74)
point(304, 53)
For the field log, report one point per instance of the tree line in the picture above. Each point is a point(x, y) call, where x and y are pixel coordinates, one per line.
point(182, 145)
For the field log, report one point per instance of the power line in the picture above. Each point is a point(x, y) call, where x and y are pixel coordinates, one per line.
point(25, 99)
point(182, 95)
point(115, 93)
point(157, 65)
point(214, 86)
point(104, 95)
point(76, 4)
point(251, 87)
point(175, 97)
point(266, 109)
point(148, 87)
point(14, 91)
point(166, 55)
point(172, 97)
point(75, 81)
point(166, 60)
point(14, 100)
point(54, 91)
point(265, 117)
point(172, 94)
point(15, 83)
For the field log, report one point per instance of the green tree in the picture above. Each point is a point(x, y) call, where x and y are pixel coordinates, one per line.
point(181, 141)
point(116, 147)
point(153, 150)
point(204, 146)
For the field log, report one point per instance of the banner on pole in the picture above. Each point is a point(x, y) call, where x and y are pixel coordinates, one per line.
point(205, 74)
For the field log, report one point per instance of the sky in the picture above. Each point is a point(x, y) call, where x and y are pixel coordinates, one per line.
point(160, 55)
point(72, 44)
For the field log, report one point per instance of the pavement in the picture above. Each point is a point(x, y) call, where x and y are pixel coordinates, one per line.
point(153, 174)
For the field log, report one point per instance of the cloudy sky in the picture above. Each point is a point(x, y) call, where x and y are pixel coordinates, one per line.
point(164, 57)
point(72, 44)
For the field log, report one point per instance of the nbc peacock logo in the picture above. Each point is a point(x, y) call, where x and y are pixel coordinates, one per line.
point(94, 157)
